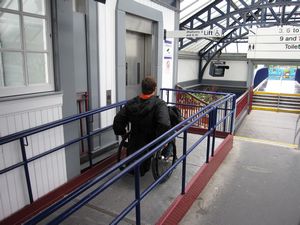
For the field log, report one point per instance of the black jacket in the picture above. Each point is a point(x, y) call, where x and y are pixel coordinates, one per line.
point(148, 118)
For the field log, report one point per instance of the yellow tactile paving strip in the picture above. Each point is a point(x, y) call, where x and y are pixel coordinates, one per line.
point(275, 109)
point(287, 145)
point(276, 93)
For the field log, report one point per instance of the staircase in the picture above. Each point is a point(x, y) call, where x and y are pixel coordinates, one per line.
point(279, 102)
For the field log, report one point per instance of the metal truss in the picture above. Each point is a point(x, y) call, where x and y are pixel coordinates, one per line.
point(210, 51)
point(240, 15)
point(235, 17)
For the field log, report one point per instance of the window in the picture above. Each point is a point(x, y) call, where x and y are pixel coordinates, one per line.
point(25, 47)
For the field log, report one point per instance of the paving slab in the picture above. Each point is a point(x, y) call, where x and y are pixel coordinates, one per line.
point(273, 126)
point(256, 184)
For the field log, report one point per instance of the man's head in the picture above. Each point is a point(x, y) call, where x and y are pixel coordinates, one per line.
point(148, 85)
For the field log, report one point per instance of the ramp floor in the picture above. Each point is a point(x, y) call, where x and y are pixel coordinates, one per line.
point(105, 207)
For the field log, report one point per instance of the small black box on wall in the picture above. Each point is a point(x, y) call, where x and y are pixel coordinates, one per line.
point(102, 1)
point(217, 69)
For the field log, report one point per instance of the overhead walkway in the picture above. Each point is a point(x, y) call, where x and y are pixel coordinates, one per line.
point(258, 182)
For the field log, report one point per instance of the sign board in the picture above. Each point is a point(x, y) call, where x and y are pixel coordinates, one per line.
point(215, 33)
point(275, 43)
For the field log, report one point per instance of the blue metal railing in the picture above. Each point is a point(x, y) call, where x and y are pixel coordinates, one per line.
point(22, 138)
point(135, 159)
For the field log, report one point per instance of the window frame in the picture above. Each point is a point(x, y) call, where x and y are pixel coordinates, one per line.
point(31, 88)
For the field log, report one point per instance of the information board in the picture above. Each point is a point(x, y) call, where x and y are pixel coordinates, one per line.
point(272, 42)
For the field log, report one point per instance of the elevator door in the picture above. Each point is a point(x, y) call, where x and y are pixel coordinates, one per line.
point(137, 63)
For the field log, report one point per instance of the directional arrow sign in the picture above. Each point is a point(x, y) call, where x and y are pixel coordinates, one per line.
point(215, 33)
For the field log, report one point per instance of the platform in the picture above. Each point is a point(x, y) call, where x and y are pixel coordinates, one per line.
point(280, 86)
point(258, 182)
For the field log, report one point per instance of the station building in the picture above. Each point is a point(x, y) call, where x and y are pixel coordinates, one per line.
point(67, 66)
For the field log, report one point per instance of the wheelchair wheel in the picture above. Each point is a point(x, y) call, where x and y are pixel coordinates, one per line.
point(160, 163)
point(122, 149)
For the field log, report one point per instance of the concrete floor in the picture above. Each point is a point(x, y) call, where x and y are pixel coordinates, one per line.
point(272, 126)
point(258, 183)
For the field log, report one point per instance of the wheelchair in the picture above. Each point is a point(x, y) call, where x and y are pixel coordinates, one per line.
point(160, 160)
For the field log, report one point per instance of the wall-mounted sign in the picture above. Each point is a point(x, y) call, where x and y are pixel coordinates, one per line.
point(210, 33)
point(270, 43)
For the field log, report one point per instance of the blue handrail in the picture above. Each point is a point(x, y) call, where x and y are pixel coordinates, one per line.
point(136, 158)
point(158, 143)
point(47, 126)
point(22, 137)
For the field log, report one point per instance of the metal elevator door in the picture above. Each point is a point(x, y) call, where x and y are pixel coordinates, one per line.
point(137, 63)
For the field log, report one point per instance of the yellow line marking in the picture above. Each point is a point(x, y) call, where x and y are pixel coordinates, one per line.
point(275, 109)
point(276, 93)
point(276, 143)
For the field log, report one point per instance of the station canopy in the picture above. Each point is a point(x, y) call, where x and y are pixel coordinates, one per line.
point(233, 16)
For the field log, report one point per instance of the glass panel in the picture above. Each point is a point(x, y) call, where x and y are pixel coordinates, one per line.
point(11, 69)
point(34, 6)
point(37, 68)
point(9, 31)
point(9, 4)
point(35, 33)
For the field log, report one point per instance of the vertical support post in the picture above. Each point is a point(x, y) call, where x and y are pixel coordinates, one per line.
point(210, 119)
point(168, 96)
point(233, 114)
point(184, 162)
point(24, 157)
point(200, 73)
point(137, 194)
point(214, 122)
point(225, 114)
point(250, 99)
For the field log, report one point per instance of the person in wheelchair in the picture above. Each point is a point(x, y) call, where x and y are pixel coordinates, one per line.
point(148, 117)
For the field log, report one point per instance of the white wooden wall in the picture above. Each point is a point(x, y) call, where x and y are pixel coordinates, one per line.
point(46, 173)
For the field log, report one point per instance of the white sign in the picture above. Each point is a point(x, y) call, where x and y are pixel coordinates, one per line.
point(275, 43)
point(285, 30)
point(215, 33)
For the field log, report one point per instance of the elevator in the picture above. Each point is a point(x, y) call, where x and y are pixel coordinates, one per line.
point(138, 51)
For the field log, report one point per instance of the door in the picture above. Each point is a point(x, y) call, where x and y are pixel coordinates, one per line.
point(137, 63)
